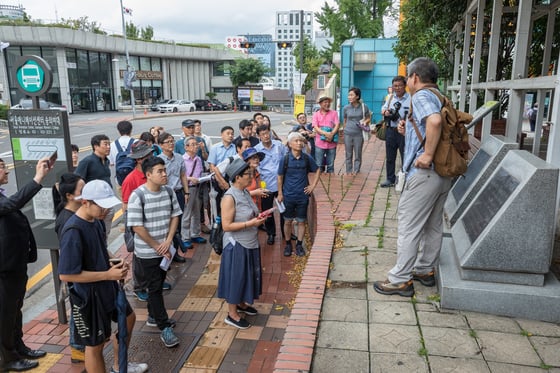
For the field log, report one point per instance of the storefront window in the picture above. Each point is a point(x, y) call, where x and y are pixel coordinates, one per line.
point(145, 63)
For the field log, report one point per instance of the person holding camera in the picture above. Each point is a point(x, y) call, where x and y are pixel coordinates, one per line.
point(306, 129)
point(395, 108)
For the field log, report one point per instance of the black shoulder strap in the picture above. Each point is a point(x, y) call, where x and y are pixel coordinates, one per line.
point(305, 157)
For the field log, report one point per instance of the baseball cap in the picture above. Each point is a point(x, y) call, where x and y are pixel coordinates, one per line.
point(250, 152)
point(140, 149)
point(101, 193)
point(188, 123)
point(235, 168)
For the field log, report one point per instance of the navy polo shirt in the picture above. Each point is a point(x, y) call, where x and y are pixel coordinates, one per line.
point(296, 176)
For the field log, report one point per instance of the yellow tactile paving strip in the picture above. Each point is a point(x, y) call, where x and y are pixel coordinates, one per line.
point(46, 363)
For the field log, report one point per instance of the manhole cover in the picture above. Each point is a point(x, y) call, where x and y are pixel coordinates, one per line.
point(148, 348)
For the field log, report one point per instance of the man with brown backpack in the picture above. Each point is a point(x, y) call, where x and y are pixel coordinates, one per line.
point(420, 223)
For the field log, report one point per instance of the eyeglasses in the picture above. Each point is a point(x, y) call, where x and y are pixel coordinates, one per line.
point(250, 173)
point(398, 86)
point(169, 142)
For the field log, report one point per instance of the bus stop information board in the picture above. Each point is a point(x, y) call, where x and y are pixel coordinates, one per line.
point(36, 134)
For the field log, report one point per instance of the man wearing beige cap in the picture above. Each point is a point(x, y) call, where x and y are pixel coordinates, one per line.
point(325, 125)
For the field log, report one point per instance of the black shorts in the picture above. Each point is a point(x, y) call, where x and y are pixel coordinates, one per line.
point(93, 327)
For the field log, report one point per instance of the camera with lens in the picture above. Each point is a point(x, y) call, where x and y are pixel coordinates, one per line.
point(393, 113)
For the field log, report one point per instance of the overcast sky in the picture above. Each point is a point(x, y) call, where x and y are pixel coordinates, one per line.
point(205, 21)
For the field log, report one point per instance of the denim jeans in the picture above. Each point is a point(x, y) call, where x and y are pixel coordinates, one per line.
point(330, 154)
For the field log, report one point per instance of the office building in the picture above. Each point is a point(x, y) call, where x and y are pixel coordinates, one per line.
point(287, 29)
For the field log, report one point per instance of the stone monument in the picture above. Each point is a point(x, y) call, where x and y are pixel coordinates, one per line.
point(497, 258)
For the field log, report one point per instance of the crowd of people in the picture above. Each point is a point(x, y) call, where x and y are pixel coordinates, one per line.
point(174, 191)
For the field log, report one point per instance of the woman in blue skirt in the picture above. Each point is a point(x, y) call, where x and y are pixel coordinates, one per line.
point(240, 281)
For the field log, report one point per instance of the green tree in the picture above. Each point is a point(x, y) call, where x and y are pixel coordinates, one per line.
point(426, 32)
point(245, 70)
point(147, 33)
point(83, 23)
point(211, 95)
point(352, 19)
point(132, 32)
point(312, 60)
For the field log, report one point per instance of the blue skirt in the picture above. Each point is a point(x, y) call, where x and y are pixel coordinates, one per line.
point(240, 274)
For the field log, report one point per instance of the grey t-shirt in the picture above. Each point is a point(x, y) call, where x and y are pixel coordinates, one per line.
point(353, 115)
point(245, 210)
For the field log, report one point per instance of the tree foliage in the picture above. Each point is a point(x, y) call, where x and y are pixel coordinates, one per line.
point(312, 60)
point(349, 19)
point(83, 23)
point(147, 33)
point(132, 31)
point(426, 31)
point(246, 70)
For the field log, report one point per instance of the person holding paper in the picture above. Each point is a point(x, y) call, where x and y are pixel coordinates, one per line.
point(240, 281)
point(153, 214)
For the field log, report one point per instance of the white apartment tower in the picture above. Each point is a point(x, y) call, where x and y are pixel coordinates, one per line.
point(288, 29)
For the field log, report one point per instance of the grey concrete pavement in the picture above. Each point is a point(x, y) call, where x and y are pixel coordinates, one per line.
point(363, 331)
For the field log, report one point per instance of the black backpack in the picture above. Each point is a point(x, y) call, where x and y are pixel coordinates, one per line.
point(123, 164)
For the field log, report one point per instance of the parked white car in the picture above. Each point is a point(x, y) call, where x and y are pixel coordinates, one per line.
point(175, 106)
point(28, 104)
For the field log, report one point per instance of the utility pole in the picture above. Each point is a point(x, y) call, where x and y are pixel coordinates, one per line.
point(129, 71)
point(301, 41)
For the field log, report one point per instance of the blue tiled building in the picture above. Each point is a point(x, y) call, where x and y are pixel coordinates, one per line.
point(369, 64)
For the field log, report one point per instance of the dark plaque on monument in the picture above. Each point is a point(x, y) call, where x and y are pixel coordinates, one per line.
point(475, 165)
point(489, 201)
point(482, 165)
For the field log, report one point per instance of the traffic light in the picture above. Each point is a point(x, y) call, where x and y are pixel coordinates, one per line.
point(284, 44)
point(247, 45)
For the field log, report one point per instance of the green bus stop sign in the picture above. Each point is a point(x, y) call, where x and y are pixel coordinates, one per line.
point(33, 75)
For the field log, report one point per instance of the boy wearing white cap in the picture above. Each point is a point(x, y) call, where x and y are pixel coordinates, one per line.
point(84, 263)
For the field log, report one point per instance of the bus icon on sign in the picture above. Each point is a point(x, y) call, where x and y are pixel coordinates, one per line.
point(30, 75)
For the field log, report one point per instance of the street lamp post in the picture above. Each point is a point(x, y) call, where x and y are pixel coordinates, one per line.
point(129, 70)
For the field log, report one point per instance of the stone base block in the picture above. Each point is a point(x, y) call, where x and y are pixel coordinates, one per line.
point(528, 302)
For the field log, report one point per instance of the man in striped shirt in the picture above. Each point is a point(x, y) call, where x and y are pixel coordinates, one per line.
point(153, 214)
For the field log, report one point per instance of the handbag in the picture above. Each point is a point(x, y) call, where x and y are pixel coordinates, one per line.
point(329, 129)
point(366, 128)
point(217, 236)
point(381, 130)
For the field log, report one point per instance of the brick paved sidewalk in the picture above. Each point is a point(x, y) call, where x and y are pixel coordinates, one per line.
point(283, 334)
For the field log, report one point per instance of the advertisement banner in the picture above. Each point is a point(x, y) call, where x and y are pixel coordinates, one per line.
point(299, 104)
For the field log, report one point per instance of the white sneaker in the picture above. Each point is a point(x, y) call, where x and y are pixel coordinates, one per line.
point(134, 368)
point(137, 367)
